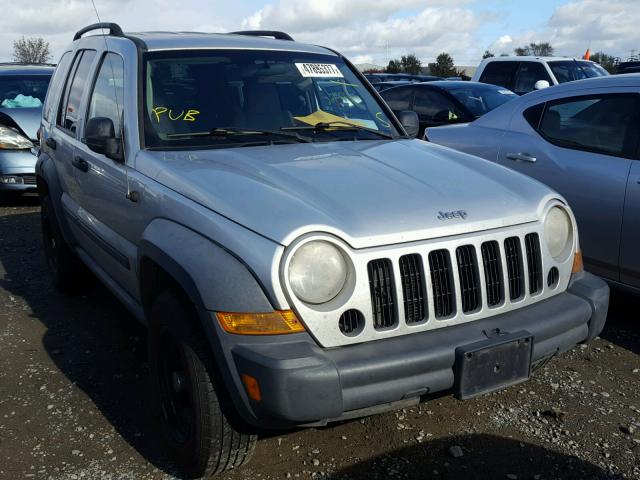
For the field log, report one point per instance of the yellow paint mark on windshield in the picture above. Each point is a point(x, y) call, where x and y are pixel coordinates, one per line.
point(173, 119)
point(381, 118)
point(189, 116)
point(159, 111)
point(320, 116)
point(344, 83)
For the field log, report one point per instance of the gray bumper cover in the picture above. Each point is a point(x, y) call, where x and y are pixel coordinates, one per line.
point(302, 383)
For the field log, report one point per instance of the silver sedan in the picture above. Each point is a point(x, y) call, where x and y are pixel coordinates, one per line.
point(581, 139)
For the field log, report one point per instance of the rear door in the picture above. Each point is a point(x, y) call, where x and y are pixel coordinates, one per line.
point(63, 137)
point(630, 242)
point(582, 147)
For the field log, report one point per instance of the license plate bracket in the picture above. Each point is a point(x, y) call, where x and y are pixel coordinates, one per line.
point(493, 364)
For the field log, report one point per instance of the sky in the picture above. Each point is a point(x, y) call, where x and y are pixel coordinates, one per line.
point(366, 31)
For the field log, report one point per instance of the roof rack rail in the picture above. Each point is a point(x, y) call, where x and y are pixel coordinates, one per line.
point(114, 29)
point(265, 33)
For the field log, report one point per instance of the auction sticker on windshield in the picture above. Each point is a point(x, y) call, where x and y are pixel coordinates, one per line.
point(319, 70)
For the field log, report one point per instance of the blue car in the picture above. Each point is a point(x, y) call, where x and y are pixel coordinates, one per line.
point(22, 92)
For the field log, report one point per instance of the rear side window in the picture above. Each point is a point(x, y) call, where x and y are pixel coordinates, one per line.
point(500, 73)
point(533, 114)
point(398, 99)
point(432, 106)
point(528, 74)
point(54, 87)
point(107, 96)
point(604, 124)
point(76, 84)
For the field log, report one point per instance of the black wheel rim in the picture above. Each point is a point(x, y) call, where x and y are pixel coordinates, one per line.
point(175, 390)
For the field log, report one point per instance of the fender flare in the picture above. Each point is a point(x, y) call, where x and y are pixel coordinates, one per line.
point(212, 276)
point(46, 171)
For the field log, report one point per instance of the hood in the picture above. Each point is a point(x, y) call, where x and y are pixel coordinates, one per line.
point(366, 192)
point(26, 119)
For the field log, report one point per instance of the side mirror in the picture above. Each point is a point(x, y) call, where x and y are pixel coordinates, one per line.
point(410, 122)
point(541, 85)
point(100, 136)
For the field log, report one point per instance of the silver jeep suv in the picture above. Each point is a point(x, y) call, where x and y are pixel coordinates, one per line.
point(297, 257)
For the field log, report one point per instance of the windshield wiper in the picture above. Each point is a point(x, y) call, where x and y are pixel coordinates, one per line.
point(236, 131)
point(336, 126)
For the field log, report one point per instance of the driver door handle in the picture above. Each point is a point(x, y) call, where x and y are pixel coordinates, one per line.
point(521, 157)
point(51, 143)
point(80, 164)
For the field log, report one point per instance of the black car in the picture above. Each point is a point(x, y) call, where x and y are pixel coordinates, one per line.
point(399, 77)
point(446, 102)
point(382, 86)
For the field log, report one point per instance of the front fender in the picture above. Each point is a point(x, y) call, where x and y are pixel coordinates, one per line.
point(211, 275)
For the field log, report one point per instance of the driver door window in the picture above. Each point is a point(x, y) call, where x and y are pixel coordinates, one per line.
point(398, 99)
point(107, 96)
point(434, 108)
point(528, 74)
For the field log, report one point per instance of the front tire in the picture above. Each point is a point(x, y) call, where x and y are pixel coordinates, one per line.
point(201, 430)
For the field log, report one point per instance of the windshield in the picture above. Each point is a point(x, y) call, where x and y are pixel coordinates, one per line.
point(23, 91)
point(570, 70)
point(481, 99)
point(224, 98)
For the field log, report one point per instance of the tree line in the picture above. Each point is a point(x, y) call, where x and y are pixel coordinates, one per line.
point(444, 65)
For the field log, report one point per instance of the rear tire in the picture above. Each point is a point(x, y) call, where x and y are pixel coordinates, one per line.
point(68, 273)
point(200, 428)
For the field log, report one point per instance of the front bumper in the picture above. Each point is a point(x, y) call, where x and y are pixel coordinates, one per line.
point(304, 384)
point(20, 165)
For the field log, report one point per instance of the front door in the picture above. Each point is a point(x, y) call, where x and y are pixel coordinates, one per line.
point(104, 208)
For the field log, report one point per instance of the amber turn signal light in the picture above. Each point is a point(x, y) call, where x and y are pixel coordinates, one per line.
point(577, 262)
point(253, 389)
point(279, 322)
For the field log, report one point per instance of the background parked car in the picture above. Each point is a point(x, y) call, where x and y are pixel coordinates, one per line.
point(407, 77)
point(526, 74)
point(382, 86)
point(628, 67)
point(582, 140)
point(22, 92)
point(446, 102)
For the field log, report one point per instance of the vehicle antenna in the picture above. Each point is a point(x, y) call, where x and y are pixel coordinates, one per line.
point(133, 196)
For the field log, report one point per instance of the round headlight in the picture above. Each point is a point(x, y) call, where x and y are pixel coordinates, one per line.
point(557, 231)
point(317, 272)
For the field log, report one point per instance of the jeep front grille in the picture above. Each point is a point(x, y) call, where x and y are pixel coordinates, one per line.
point(443, 299)
point(413, 297)
point(534, 262)
point(485, 274)
point(381, 284)
point(513, 254)
point(468, 273)
point(492, 263)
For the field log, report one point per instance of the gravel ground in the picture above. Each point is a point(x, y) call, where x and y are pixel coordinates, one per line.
point(73, 401)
